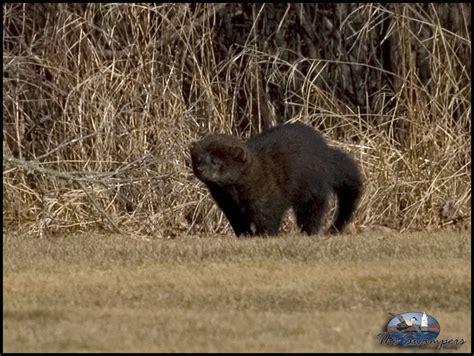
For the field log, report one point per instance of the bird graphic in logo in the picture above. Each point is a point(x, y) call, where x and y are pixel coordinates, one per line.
point(411, 328)
point(403, 324)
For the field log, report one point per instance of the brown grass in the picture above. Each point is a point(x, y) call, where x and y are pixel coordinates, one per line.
point(96, 123)
point(110, 293)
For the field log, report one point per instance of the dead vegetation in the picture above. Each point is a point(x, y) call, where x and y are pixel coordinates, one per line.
point(103, 292)
point(102, 100)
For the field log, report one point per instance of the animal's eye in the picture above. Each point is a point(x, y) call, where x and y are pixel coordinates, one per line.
point(197, 159)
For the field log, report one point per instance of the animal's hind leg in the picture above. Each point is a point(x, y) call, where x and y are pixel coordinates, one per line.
point(309, 214)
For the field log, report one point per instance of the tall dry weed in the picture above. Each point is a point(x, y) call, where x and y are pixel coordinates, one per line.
point(102, 100)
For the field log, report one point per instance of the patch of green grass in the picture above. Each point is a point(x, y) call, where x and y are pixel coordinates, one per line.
point(293, 293)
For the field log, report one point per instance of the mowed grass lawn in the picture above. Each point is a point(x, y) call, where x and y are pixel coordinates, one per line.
point(95, 292)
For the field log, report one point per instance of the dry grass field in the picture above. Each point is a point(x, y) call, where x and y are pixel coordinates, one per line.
point(98, 292)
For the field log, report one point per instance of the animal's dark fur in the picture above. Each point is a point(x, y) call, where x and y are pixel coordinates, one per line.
point(289, 165)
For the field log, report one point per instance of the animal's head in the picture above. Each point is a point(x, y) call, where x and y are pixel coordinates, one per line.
point(219, 158)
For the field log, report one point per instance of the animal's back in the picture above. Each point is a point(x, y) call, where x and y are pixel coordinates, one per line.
point(295, 137)
point(295, 154)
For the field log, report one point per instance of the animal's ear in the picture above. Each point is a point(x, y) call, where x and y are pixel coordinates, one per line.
point(240, 153)
point(192, 146)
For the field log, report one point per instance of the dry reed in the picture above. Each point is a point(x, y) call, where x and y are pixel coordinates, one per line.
point(102, 100)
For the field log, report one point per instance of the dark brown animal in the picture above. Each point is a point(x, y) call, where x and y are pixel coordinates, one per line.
point(289, 165)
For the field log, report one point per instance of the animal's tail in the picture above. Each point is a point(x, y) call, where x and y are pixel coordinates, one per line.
point(348, 189)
